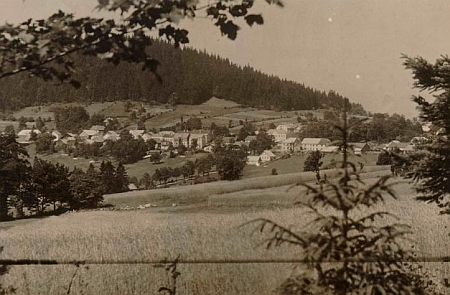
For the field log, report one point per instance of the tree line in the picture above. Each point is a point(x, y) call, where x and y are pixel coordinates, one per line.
point(189, 76)
point(32, 188)
point(380, 128)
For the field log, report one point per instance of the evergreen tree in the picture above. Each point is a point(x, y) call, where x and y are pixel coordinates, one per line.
point(14, 168)
point(432, 167)
point(121, 179)
point(345, 254)
point(108, 176)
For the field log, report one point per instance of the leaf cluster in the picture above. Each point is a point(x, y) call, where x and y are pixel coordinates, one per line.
point(43, 47)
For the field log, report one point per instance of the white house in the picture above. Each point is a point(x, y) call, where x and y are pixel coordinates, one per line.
point(314, 144)
point(137, 133)
point(57, 135)
point(99, 128)
point(88, 134)
point(209, 148)
point(267, 156)
point(205, 133)
point(278, 135)
point(254, 160)
point(290, 145)
point(181, 138)
point(360, 147)
point(201, 140)
point(162, 133)
point(402, 146)
point(111, 135)
point(25, 135)
point(249, 138)
point(287, 127)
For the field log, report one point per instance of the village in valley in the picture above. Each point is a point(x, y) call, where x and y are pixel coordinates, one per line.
point(264, 136)
point(191, 147)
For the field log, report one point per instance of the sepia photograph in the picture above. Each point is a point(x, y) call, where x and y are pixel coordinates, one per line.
point(224, 147)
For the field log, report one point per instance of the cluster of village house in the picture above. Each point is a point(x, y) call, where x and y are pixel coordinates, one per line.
point(285, 136)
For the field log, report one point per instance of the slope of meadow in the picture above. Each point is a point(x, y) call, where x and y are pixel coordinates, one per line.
point(158, 233)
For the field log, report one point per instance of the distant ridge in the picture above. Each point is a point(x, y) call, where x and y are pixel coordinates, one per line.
point(189, 77)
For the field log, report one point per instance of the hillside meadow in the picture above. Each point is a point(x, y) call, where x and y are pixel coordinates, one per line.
point(211, 231)
point(203, 194)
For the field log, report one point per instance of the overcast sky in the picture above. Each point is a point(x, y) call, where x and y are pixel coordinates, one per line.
point(351, 46)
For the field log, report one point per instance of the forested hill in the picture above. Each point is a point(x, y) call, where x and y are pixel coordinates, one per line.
point(189, 77)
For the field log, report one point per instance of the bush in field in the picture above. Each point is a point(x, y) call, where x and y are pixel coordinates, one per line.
point(384, 159)
point(348, 251)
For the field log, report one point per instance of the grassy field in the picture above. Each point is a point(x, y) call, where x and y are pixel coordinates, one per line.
point(133, 170)
point(204, 194)
point(208, 112)
point(159, 233)
point(296, 162)
point(138, 169)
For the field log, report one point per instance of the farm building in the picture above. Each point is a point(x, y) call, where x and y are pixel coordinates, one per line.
point(181, 138)
point(111, 135)
point(249, 138)
point(267, 156)
point(278, 135)
point(290, 145)
point(99, 128)
point(67, 140)
point(25, 136)
point(287, 127)
point(254, 160)
point(209, 148)
point(314, 144)
point(359, 147)
point(88, 134)
point(137, 133)
point(330, 149)
point(57, 135)
point(205, 133)
point(227, 140)
point(404, 147)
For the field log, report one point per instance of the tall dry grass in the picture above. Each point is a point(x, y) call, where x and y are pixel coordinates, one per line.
point(146, 234)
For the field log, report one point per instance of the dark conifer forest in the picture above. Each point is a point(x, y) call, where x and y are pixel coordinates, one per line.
point(188, 76)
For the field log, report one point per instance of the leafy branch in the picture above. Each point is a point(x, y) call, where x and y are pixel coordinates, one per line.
point(42, 47)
